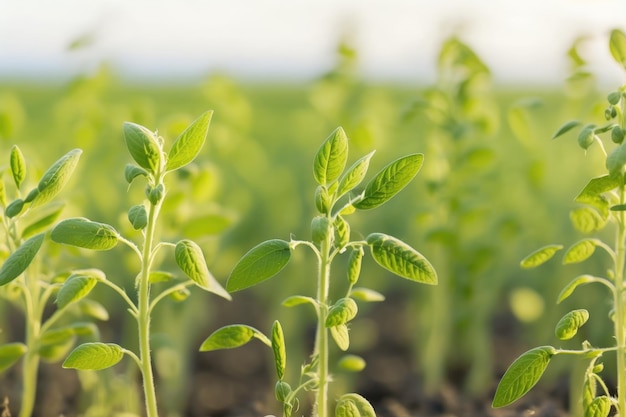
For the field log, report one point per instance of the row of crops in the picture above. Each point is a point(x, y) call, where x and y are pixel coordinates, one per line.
point(493, 187)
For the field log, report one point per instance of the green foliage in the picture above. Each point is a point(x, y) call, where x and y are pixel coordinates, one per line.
point(94, 356)
point(331, 237)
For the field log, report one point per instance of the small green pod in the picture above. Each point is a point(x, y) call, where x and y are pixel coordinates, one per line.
point(569, 324)
point(344, 310)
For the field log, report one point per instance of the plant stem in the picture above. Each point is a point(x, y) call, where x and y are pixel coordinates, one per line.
point(30, 364)
point(143, 316)
point(619, 308)
point(321, 340)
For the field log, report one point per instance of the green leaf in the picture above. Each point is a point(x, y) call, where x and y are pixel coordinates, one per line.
point(354, 175)
point(580, 251)
point(366, 294)
point(18, 166)
point(352, 363)
point(592, 193)
point(569, 324)
point(86, 234)
point(56, 177)
point(569, 288)
point(278, 347)
point(540, 256)
point(142, 146)
point(617, 46)
point(522, 375)
point(616, 160)
point(342, 232)
point(297, 300)
point(14, 208)
point(19, 260)
point(331, 157)
point(587, 220)
point(75, 288)
point(138, 216)
point(190, 260)
point(401, 259)
point(133, 171)
point(354, 405)
point(160, 276)
point(344, 310)
point(260, 263)
point(354, 265)
point(188, 145)
point(94, 356)
point(41, 220)
point(94, 309)
point(599, 407)
point(232, 336)
point(341, 336)
point(566, 128)
point(11, 353)
point(587, 136)
point(389, 181)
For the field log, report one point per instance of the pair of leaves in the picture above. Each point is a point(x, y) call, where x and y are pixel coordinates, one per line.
point(578, 252)
point(270, 257)
point(146, 149)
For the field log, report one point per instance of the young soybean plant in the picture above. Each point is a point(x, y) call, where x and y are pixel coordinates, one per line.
point(604, 201)
point(25, 280)
point(153, 163)
point(335, 199)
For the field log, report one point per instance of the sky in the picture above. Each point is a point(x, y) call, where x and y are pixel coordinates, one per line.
point(523, 42)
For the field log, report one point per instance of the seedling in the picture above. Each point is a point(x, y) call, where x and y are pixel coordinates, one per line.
point(603, 202)
point(153, 164)
point(28, 283)
point(336, 197)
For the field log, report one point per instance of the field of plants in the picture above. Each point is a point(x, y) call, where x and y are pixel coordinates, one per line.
point(142, 225)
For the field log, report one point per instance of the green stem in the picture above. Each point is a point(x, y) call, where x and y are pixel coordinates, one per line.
point(619, 308)
point(30, 364)
point(143, 316)
point(321, 339)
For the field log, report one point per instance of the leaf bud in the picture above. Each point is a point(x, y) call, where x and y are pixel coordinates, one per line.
point(609, 113)
point(320, 228)
point(180, 295)
point(322, 199)
point(586, 137)
point(341, 312)
point(598, 368)
point(617, 134)
point(138, 217)
point(14, 208)
point(614, 97)
point(282, 391)
point(155, 194)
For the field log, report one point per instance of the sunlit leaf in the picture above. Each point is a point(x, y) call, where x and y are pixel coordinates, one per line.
point(599, 406)
point(18, 166)
point(617, 46)
point(580, 251)
point(389, 181)
point(190, 260)
point(19, 260)
point(341, 336)
point(616, 160)
point(56, 177)
point(592, 193)
point(569, 324)
point(40, 221)
point(522, 375)
point(366, 294)
point(75, 288)
point(576, 282)
point(94, 356)
point(566, 128)
point(587, 220)
point(260, 263)
point(133, 171)
point(93, 308)
point(401, 259)
point(354, 175)
point(297, 300)
point(352, 363)
point(188, 145)
point(354, 405)
point(11, 353)
point(279, 349)
point(331, 157)
point(232, 336)
point(142, 146)
point(86, 234)
point(344, 310)
point(540, 256)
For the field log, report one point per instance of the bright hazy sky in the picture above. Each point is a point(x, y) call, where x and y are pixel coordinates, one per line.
point(523, 41)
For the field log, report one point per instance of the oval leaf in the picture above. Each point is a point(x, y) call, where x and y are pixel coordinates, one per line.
point(566, 128)
point(56, 177)
point(85, 234)
point(142, 146)
point(587, 220)
point(617, 46)
point(352, 363)
point(569, 324)
point(232, 336)
point(93, 309)
point(188, 145)
point(401, 259)
point(354, 175)
point(94, 356)
point(389, 181)
point(522, 375)
point(580, 251)
point(599, 407)
point(19, 260)
point(11, 353)
point(331, 157)
point(278, 347)
point(75, 288)
point(366, 294)
point(344, 310)
point(297, 300)
point(138, 216)
point(133, 171)
point(18, 166)
point(190, 260)
point(354, 405)
point(540, 256)
point(260, 263)
point(569, 288)
point(341, 336)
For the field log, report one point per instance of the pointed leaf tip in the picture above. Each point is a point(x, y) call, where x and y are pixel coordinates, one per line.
point(260, 263)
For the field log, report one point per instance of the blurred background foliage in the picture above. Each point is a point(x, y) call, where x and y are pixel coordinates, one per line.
point(493, 188)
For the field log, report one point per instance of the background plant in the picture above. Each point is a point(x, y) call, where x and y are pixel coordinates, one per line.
point(603, 202)
point(153, 164)
point(29, 281)
point(336, 197)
